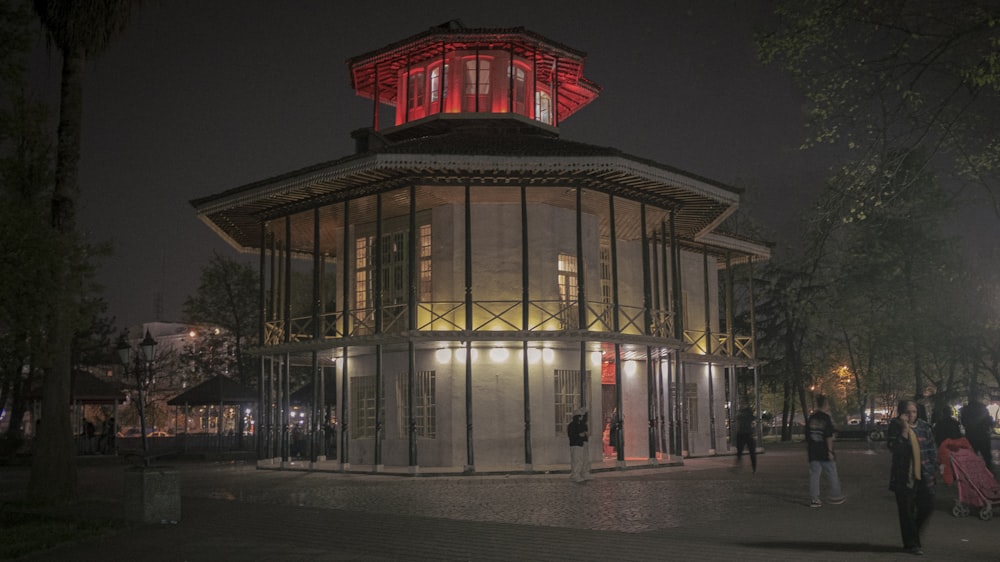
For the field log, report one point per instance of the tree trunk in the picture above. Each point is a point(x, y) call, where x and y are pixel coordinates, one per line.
point(53, 467)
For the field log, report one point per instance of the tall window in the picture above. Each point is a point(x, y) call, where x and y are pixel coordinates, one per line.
point(568, 293)
point(362, 277)
point(472, 86)
point(425, 263)
point(424, 407)
point(363, 392)
point(415, 91)
point(477, 85)
point(395, 267)
point(439, 85)
point(568, 396)
point(543, 107)
point(520, 89)
point(606, 283)
point(394, 245)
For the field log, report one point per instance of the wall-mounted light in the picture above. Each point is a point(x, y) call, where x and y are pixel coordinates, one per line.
point(499, 354)
point(534, 355)
point(460, 355)
point(630, 367)
point(443, 355)
point(548, 355)
point(595, 358)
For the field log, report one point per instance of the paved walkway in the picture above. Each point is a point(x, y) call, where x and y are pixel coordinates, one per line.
point(704, 510)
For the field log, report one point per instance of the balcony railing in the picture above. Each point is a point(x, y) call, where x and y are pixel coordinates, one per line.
point(500, 316)
point(698, 342)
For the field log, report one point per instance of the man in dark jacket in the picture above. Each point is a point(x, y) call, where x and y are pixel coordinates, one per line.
point(579, 456)
point(978, 429)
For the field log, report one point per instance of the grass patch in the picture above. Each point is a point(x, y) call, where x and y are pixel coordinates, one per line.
point(26, 532)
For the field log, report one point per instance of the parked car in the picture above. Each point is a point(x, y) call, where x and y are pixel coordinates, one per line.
point(129, 432)
point(158, 433)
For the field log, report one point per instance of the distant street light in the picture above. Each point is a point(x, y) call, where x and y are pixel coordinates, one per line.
point(141, 364)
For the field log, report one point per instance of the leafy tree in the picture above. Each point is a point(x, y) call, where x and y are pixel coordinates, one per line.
point(228, 297)
point(888, 77)
point(79, 31)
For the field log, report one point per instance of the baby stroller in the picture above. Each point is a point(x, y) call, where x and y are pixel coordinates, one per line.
point(976, 485)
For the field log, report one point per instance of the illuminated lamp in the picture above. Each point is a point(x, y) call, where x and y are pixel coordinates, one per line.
point(443, 355)
point(460, 355)
point(630, 367)
point(499, 354)
point(534, 355)
point(548, 355)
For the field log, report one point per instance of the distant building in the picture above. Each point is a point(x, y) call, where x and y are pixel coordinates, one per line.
point(490, 276)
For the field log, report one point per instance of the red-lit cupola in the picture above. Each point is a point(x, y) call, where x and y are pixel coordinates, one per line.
point(453, 71)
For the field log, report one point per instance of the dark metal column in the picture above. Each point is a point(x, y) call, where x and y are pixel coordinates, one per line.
point(477, 79)
point(663, 395)
point(753, 347)
point(259, 416)
point(555, 92)
point(345, 435)
point(377, 289)
point(647, 303)
point(316, 437)
point(411, 325)
point(670, 396)
point(616, 328)
point(286, 311)
point(510, 80)
point(680, 374)
point(375, 100)
point(470, 465)
point(525, 373)
point(345, 310)
point(581, 298)
point(713, 446)
point(444, 80)
point(273, 407)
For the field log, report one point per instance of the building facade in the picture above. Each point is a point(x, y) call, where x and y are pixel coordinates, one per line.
point(473, 278)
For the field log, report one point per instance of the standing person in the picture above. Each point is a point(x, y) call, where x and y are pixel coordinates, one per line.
point(89, 433)
point(911, 474)
point(579, 458)
point(978, 428)
point(819, 439)
point(744, 436)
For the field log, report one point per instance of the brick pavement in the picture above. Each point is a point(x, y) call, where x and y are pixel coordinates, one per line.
point(705, 510)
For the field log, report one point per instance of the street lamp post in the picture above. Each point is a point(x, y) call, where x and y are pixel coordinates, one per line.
point(141, 364)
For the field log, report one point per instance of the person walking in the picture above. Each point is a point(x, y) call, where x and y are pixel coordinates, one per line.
point(911, 476)
point(978, 429)
point(744, 436)
point(819, 439)
point(579, 457)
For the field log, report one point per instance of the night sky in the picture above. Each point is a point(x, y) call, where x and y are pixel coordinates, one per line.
point(199, 97)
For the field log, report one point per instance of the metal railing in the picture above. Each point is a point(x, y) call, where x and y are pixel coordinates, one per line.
point(507, 316)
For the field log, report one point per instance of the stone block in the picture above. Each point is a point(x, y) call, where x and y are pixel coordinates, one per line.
point(152, 494)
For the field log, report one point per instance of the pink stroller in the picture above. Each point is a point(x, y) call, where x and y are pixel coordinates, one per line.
point(976, 485)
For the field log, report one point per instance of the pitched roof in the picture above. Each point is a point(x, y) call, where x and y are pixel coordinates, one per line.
point(216, 390)
point(88, 389)
point(453, 152)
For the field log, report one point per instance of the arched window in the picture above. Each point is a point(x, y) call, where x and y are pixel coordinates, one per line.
point(543, 107)
point(477, 84)
point(438, 85)
point(520, 89)
point(416, 94)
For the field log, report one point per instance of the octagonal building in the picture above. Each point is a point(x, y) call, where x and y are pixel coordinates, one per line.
point(444, 298)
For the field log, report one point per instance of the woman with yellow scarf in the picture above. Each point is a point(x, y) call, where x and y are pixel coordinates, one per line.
point(911, 477)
